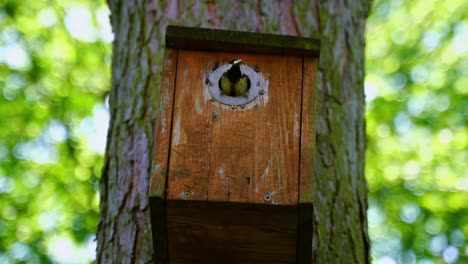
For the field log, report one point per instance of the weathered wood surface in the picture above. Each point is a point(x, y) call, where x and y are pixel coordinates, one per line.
point(217, 232)
point(221, 154)
point(305, 223)
point(234, 41)
point(306, 178)
point(163, 126)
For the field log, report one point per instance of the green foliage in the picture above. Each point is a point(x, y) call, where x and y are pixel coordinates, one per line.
point(54, 74)
point(417, 107)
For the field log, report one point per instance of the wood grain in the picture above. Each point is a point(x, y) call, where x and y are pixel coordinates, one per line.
point(218, 232)
point(221, 154)
point(307, 166)
point(161, 158)
point(163, 125)
point(306, 178)
point(235, 41)
point(190, 145)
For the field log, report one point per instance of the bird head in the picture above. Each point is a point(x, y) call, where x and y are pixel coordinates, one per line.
point(234, 73)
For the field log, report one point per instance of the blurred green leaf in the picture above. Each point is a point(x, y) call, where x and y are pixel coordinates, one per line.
point(54, 75)
point(416, 128)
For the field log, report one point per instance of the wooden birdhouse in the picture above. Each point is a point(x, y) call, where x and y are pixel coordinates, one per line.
point(232, 175)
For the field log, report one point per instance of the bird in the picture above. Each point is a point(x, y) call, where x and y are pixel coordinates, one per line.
point(233, 82)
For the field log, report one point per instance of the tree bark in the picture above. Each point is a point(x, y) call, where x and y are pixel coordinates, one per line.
point(340, 227)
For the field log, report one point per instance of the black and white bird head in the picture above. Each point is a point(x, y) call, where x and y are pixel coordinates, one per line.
point(234, 73)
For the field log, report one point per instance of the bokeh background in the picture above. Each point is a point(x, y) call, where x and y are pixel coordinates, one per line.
point(54, 78)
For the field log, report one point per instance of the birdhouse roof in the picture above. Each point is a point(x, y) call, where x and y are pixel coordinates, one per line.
point(234, 41)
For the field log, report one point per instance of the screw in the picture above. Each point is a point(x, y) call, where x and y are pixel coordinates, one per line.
point(267, 197)
point(242, 106)
point(262, 91)
point(213, 99)
point(233, 107)
point(186, 194)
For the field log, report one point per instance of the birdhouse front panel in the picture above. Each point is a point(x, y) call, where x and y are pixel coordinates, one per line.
point(247, 153)
point(232, 176)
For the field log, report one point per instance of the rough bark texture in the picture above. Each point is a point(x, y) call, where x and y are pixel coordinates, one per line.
point(124, 234)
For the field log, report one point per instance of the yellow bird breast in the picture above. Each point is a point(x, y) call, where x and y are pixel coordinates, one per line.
point(241, 86)
point(226, 85)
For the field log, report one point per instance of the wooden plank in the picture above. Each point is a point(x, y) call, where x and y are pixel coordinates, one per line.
point(190, 148)
point(307, 159)
point(232, 160)
point(159, 229)
point(255, 151)
point(239, 155)
point(161, 158)
point(163, 125)
point(305, 231)
point(217, 232)
point(307, 167)
point(234, 41)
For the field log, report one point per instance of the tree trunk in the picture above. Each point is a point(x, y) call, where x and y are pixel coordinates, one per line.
point(340, 227)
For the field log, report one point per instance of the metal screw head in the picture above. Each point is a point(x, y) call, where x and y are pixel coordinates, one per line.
point(233, 107)
point(242, 106)
point(213, 99)
point(262, 91)
point(267, 197)
point(186, 194)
